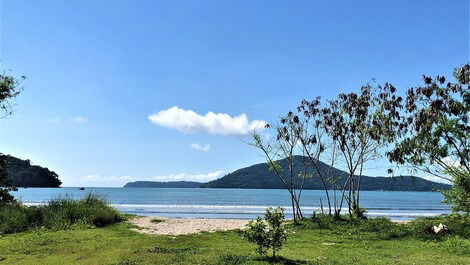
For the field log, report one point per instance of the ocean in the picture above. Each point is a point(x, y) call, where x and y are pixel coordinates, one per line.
point(239, 203)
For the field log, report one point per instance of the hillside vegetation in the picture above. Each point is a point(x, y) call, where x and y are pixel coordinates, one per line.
point(23, 174)
point(260, 177)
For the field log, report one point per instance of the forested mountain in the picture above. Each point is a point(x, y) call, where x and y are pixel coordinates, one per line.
point(260, 177)
point(23, 174)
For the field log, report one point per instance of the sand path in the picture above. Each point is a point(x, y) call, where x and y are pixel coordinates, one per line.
point(182, 226)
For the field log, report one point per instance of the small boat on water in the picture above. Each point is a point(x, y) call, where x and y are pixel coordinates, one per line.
point(81, 188)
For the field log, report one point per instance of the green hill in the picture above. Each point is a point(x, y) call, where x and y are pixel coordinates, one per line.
point(260, 177)
point(23, 174)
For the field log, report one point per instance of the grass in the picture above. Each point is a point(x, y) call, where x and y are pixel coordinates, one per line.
point(335, 243)
point(58, 214)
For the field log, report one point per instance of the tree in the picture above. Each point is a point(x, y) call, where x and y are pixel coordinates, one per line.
point(436, 131)
point(9, 89)
point(360, 125)
point(285, 147)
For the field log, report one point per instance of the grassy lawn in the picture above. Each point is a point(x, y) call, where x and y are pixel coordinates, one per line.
point(117, 244)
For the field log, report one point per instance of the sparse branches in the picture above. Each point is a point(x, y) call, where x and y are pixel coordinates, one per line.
point(312, 139)
point(284, 146)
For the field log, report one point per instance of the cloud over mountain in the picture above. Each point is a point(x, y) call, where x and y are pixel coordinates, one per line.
point(190, 177)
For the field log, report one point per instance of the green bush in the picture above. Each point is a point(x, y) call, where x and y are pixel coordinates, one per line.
point(232, 259)
point(384, 228)
point(267, 233)
point(458, 245)
point(13, 218)
point(458, 197)
point(58, 214)
point(458, 226)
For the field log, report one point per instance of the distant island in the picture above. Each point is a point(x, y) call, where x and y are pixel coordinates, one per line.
point(23, 174)
point(260, 177)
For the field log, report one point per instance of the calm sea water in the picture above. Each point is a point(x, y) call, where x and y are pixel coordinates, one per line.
point(239, 203)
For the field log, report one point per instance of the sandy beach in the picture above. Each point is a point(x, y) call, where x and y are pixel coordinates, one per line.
point(182, 226)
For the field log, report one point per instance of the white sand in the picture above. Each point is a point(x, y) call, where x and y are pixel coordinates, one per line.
point(182, 226)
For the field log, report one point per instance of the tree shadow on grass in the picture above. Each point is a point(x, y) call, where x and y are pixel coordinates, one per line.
point(237, 259)
point(284, 261)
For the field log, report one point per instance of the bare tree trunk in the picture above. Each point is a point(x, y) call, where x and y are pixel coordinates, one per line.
point(313, 161)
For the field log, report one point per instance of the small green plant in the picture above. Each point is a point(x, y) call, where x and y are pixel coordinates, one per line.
point(157, 220)
point(268, 232)
point(232, 259)
point(161, 250)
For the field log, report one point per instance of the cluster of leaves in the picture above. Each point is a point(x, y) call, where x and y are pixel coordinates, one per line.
point(437, 125)
point(268, 232)
point(458, 197)
point(436, 134)
point(9, 89)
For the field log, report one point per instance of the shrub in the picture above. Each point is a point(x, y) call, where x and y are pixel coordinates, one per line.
point(157, 221)
point(458, 245)
point(232, 259)
point(267, 233)
point(162, 250)
point(421, 227)
point(58, 214)
point(13, 218)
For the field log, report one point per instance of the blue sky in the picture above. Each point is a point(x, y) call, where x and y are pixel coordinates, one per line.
point(96, 71)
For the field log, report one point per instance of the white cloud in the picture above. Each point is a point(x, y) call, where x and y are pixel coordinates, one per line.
point(191, 177)
point(96, 180)
point(199, 147)
point(79, 119)
point(213, 123)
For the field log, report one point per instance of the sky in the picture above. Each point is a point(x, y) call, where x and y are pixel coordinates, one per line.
point(120, 91)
